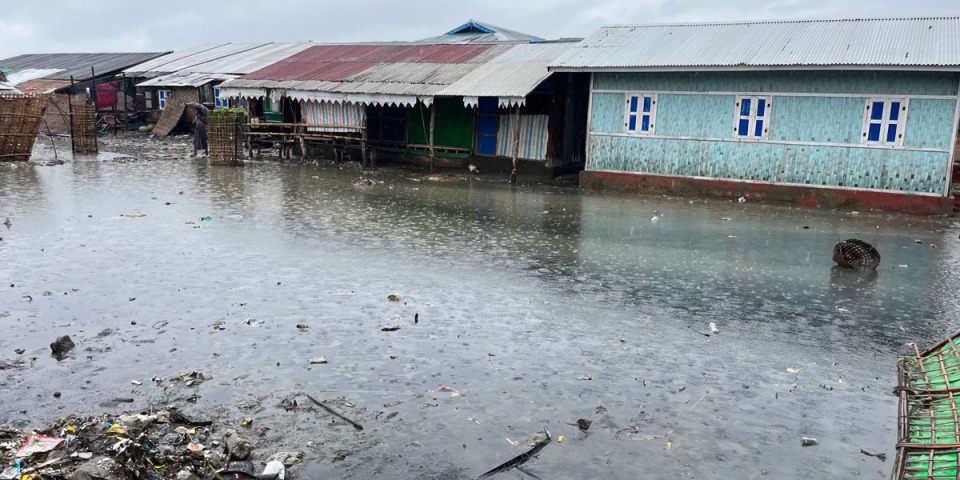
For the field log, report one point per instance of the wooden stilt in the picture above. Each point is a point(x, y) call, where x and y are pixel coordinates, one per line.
point(516, 144)
point(433, 119)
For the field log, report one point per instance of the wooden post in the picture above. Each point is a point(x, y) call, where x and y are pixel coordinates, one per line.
point(303, 142)
point(73, 132)
point(433, 119)
point(516, 144)
point(363, 138)
point(93, 91)
point(126, 117)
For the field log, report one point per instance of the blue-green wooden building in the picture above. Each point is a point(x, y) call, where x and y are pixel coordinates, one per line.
point(860, 113)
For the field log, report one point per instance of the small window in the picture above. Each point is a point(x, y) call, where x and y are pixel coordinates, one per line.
point(752, 118)
point(883, 122)
point(217, 101)
point(148, 99)
point(163, 96)
point(641, 113)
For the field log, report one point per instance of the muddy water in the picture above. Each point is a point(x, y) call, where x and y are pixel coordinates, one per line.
point(522, 294)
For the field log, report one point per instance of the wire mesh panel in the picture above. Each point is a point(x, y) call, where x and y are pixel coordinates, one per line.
point(224, 134)
point(84, 128)
point(937, 368)
point(20, 117)
point(927, 463)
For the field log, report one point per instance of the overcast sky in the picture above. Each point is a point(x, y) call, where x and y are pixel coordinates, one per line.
point(45, 26)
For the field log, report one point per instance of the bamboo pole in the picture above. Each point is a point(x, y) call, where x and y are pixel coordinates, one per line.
point(363, 139)
point(433, 118)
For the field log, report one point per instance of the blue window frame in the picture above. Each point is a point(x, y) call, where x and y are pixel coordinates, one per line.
point(883, 122)
point(752, 119)
point(640, 113)
point(163, 96)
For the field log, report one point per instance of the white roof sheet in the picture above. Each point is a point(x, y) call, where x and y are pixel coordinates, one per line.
point(19, 76)
point(229, 58)
point(515, 73)
point(902, 43)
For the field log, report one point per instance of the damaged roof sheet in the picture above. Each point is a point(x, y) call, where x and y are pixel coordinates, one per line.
point(187, 80)
point(515, 73)
point(901, 43)
point(76, 64)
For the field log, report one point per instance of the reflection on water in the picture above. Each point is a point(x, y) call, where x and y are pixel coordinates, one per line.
point(554, 282)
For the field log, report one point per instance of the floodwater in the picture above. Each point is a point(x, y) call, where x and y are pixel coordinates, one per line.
point(539, 304)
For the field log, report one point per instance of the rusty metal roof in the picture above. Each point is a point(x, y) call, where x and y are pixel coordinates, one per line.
point(900, 43)
point(389, 73)
point(341, 62)
point(76, 64)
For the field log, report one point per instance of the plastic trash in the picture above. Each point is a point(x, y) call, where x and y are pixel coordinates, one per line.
point(318, 360)
point(37, 443)
point(395, 297)
point(274, 470)
point(808, 442)
point(206, 219)
point(453, 391)
point(713, 329)
point(391, 328)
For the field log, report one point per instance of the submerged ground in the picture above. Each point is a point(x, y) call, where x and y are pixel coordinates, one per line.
point(539, 304)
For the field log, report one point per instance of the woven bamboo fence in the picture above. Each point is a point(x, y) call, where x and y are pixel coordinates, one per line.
point(225, 136)
point(928, 427)
point(20, 116)
point(84, 128)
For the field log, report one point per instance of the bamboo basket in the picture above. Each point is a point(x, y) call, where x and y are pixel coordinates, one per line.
point(854, 253)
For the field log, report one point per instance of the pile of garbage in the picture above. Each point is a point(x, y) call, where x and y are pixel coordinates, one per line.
point(156, 445)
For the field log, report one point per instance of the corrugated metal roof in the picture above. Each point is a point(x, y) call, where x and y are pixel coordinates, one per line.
point(481, 32)
point(188, 80)
point(515, 73)
point(883, 42)
point(77, 64)
point(227, 58)
point(25, 75)
point(341, 62)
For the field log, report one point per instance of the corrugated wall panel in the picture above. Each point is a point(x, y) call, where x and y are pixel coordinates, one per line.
point(885, 169)
point(846, 82)
point(603, 113)
point(816, 119)
point(929, 123)
point(693, 115)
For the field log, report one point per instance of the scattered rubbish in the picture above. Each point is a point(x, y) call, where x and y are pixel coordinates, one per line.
point(333, 412)
point(559, 438)
point(8, 223)
point(241, 469)
point(395, 297)
point(302, 327)
point(253, 322)
point(393, 356)
point(37, 443)
point(855, 253)
point(135, 215)
point(288, 459)
point(933, 245)
point(61, 346)
point(584, 424)
point(882, 456)
point(191, 379)
point(136, 382)
point(469, 419)
point(725, 219)
point(160, 324)
point(472, 168)
point(519, 460)
point(195, 447)
point(274, 470)
point(130, 299)
point(318, 360)
point(682, 388)
point(238, 447)
point(206, 219)
point(391, 328)
point(513, 442)
point(713, 329)
point(246, 422)
point(698, 331)
point(794, 370)
point(416, 318)
point(453, 391)
point(586, 377)
point(741, 200)
point(391, 404)
point(903, 266)
point(917, 240)
point(669, 445)
point(655, 219)
point(808, 442)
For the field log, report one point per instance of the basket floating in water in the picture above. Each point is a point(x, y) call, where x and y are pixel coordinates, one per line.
point(854, 253)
